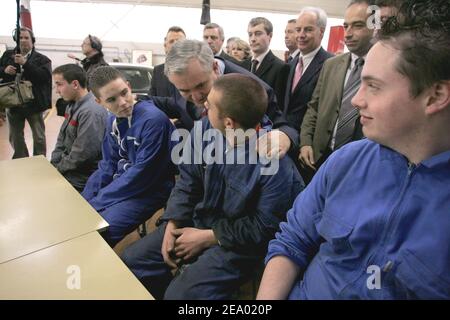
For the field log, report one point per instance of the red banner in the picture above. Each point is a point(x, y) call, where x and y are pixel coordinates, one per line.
point(336, 40)
point(25, 17)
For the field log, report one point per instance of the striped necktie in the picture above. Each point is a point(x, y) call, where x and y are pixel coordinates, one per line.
point(254, 66)
point(348, 114)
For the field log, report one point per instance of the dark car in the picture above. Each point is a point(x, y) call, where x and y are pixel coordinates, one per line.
point(139, 76)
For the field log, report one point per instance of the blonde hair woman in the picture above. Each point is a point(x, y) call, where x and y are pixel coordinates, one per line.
point(240, 50)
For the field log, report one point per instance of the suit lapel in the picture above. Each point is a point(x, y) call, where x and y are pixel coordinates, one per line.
point(287, 94)
point(265, 64)
point(340, 72)
point(312, 69)
point(315, 64)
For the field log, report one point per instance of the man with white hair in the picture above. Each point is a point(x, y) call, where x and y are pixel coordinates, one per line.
point(192, 68)
point(305, 68)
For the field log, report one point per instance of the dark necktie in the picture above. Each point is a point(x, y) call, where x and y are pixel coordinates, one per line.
point(348, 114)
point(254, 66)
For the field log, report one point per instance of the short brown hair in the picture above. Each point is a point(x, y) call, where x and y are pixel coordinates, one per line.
point(101, 77)
point(268, 26)
point(71, 72)
point(176, 29)
point(244, 99)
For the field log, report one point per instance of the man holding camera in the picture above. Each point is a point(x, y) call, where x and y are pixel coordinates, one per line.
point(36, 68)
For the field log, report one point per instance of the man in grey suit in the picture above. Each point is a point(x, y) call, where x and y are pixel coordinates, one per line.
point(331, 120)
point(305, 68)
point(214, 36)
point(264, 64)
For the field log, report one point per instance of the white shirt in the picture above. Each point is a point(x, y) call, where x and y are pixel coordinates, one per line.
point(294, 54)
point(260, 58)
point(308, 58)
point(221, 67)
point(219, 53)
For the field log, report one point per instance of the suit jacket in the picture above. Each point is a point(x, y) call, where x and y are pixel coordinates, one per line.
point(178, 107)
point(227, 57)
point(323, 109)
point(272, 71)
point(161, 86)
point(295, 103)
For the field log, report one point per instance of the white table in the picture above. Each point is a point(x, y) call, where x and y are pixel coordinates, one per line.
point(81, 268)
point(39, 208)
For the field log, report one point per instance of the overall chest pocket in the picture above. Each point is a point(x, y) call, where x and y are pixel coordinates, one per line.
point(236, 198)
point(335, 232)
point(421, 282)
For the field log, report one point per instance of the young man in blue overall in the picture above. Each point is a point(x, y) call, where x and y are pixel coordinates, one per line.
point(136, 175)
point(223, 211)
point(374, 222)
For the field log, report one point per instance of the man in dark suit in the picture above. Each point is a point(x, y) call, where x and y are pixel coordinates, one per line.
point(290, 40)
point(214, 36)
point(264, 64)
point(161, 86)
point(323, 127)
point(305, 68)
point(192, 68)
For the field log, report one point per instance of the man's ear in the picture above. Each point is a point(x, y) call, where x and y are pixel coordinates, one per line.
point(98, 100)
point(438, 97)
point(229, 123)
point(322, 32)
point(216, 67)
point(75, 84)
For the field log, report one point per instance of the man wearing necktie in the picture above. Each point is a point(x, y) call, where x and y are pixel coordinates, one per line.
point(290, 40)
point(305, 68)
point(214, 36)
point(331, 121)
point(264, 64)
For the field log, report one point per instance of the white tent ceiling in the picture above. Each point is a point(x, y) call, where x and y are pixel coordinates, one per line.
point(334, 8)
